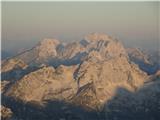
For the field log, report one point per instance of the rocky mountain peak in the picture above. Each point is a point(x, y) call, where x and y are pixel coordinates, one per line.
point(105, 45)
point(49, 42)
point(97, 36)
point(106, 75)
point(89, 74)
point(47, 47)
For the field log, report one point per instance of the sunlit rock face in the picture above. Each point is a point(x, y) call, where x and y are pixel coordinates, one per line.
point(90, 75)
point(105, 76)
point(105, 45)
point(44, 83)
point(14, 63)
point(47, 48)
point(40, 53)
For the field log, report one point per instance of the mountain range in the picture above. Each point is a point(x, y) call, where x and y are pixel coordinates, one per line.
point(96, 78)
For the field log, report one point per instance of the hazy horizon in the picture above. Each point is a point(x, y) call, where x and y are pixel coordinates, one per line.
point(24, 24)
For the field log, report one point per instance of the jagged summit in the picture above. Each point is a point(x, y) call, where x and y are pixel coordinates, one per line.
point(48, 41)
point(47, 47)
point(97, 36)
point(105, 45)
point(53, 52)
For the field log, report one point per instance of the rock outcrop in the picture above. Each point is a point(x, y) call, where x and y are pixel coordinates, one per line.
point(6, 113)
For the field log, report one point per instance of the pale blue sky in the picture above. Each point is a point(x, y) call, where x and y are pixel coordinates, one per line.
point(26, 23)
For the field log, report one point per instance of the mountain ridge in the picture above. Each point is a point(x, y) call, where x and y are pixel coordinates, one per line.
point(84, 74)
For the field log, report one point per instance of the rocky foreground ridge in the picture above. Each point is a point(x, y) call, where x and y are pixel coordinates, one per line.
point(92, 79)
